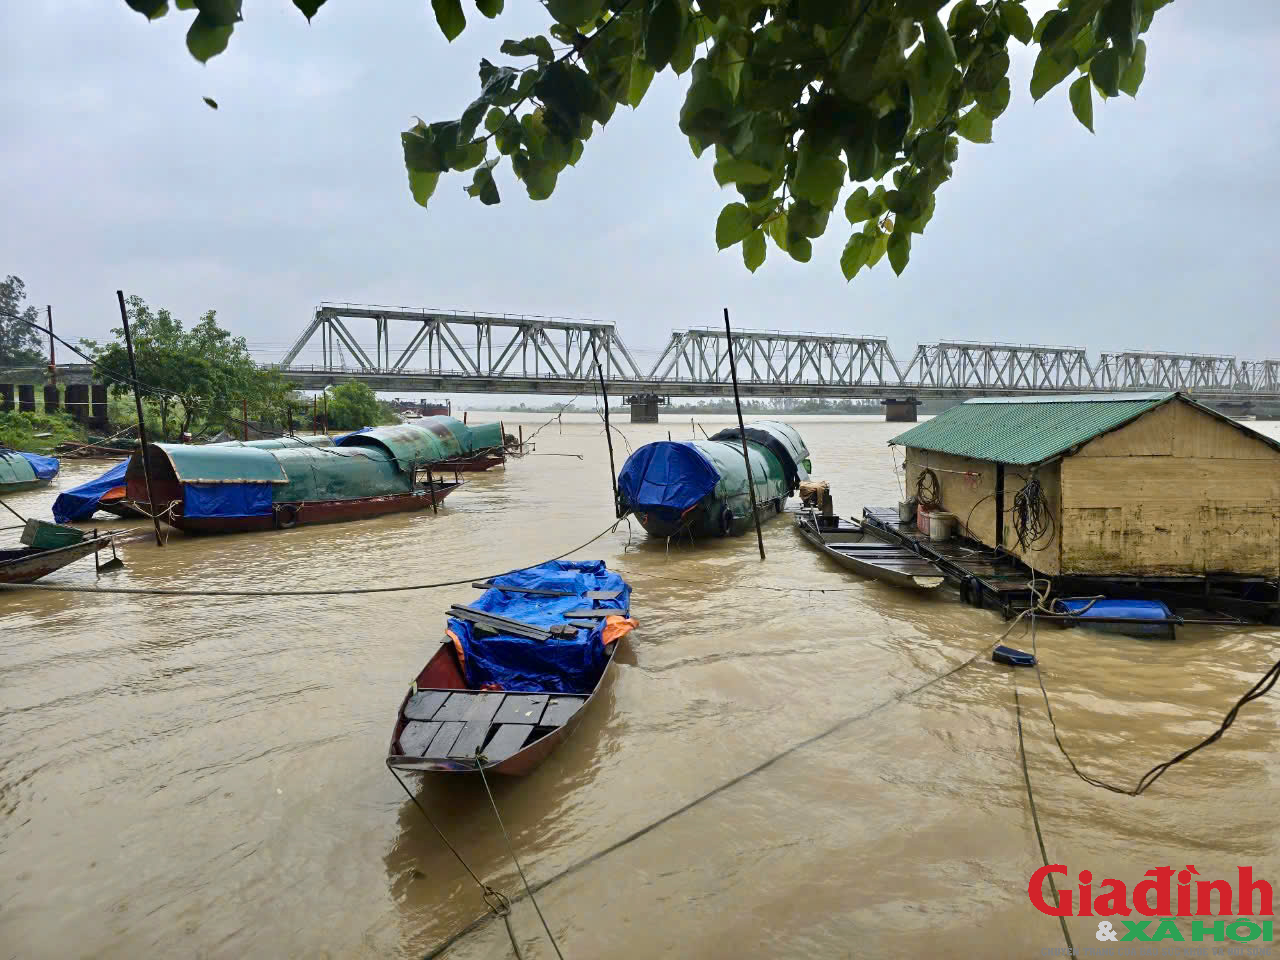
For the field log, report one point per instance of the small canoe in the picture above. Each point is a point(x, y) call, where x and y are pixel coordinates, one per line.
point(847, 545)
point(28, 564)
point(514, 675)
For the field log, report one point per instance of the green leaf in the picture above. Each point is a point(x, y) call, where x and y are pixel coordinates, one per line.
point(730, 169)
point(899, 250)
point(1016, 20)
point(975, 126)
point(753, 250)
point(422, 185)
point(993, 102)
point(641, 76)
point(855, 254)
point(706, 110)
point(878, 246)
point(777, 229)
point(662, 31)
point(1105, 71)
point(482, 184)
point(682, 56)
point(574, 13)
point(469, 155)
point(450, 17)
point(538, 46)
point(151, 9)
point(733, 225)
point(308, 7)
point(212, 103)
point(1131, 79)
point(940, 52)
point(1050, 70)
point(1082, 102)
point(490, 8)
point(860, 206)
point(1120, 21)
point(818, 177)
point(800, 249)
point(206, 38)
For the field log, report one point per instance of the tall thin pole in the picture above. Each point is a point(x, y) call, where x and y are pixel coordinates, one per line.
point(244, 419)
point(608, 431)
point(142, 425)
point(53, 360)
point(742, 432)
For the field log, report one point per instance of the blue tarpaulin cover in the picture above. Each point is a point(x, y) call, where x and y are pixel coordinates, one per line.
point(337, 441)
point(556, 665)
point(1117, 609)
point(666, 475)
point(46, 468)
point(80, 502)
point(226, 499)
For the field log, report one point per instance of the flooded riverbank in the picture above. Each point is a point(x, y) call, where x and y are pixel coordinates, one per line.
point(204, 777)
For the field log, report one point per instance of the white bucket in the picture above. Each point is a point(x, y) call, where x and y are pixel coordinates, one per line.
point(942, 525)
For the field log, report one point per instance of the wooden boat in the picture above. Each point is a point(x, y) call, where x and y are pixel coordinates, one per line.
point(849, 545)
point(28, 564)
point(444, 720)
point(288, 482)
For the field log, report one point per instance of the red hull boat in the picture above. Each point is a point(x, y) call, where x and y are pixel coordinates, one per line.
point(502, 691)
point(519, 729)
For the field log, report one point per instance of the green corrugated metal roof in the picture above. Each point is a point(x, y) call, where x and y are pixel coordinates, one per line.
point(1026, 430)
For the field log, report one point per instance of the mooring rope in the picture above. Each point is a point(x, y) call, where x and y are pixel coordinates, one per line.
point(175, 592)
point(519, 869)
point(714, 791)
point(1035, 818)
point(497, 901)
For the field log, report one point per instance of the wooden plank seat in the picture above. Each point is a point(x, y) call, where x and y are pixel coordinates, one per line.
point(455, 723)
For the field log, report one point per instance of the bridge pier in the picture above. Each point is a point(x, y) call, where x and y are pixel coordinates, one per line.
point(901, 411)
point(644, 407)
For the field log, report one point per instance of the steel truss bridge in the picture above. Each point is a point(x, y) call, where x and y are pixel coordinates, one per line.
point(479, 353)
point(452, 353)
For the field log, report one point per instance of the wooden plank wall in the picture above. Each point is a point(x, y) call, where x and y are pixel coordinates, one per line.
point(1176, 492)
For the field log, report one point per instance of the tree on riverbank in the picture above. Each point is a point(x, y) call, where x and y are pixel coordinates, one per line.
point(19, 342)
point(797, 99)
point(196, 379)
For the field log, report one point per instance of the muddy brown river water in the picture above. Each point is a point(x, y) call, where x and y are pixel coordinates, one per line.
point(191, 777)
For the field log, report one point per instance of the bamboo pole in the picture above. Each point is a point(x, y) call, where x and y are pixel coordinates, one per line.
point(608, 430)
point(742, 433)
point(142, 425)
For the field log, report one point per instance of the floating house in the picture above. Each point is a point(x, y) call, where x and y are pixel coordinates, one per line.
point(1137, 485)
point(700, 487)
point(25, 471)
point(288, 481)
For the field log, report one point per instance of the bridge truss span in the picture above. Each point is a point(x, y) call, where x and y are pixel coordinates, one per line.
point(764, 356)
point(474, 345)
point(505, 353)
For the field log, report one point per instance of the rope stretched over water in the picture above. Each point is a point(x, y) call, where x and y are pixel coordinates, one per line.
point(519, 869)
point(175, 592)
point(714, 791)
point(1035, 818)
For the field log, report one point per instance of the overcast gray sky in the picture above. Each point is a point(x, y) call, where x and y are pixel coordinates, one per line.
point(1156, 233)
